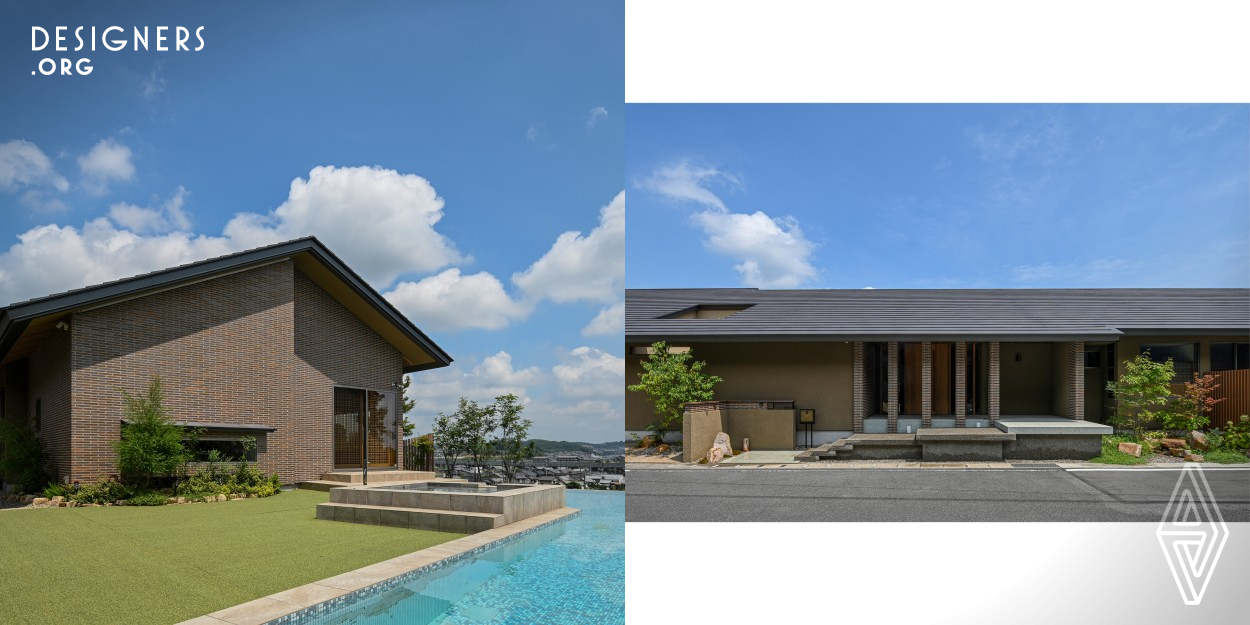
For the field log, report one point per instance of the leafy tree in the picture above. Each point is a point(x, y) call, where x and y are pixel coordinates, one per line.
point(23, 460)
point(510, 444)
point(1143, 393)
point(671, 380)
point(477, 423)
point(407, 404)
point(449, 437)
point(1194, 404)
point(151, 444)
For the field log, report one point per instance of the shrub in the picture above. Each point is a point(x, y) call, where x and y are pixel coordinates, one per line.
point(1237, 435)
point(104, 491)
point(1194, 404)
point(23, 460)
point(151, 444)
point(148, 498)
point(1225, 456)
point(58, 490)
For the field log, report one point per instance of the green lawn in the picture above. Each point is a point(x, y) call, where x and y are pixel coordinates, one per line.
point(171, 563)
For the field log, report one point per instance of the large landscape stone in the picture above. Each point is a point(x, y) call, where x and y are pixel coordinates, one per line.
point(1192, 457)
point(1132, 449)
point(1200, 440)
point(1173, 443)
point(722, 442)
point(715, 455)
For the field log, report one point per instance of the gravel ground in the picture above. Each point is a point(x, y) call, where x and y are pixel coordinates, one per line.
point(5, 504)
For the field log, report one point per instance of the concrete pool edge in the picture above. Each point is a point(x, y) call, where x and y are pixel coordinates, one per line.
point(283, 607)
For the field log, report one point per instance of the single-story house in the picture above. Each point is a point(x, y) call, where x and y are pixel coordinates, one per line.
point(894, 361)
point(284, 344)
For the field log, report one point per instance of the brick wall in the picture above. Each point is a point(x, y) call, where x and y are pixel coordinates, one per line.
point(1076, 399)
point(994, 381)
point(961, 384)
point(49, 390)
point(332, 348)
point(859, 390)
point(926, 384)
point(892, 386)
point(223, 349)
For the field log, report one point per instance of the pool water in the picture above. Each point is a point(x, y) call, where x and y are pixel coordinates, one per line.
point(570, 573)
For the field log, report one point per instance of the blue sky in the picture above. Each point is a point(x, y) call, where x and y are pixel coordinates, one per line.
point(465, 157)
point(938, 196)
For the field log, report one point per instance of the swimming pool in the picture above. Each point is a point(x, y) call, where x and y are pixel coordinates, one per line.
point(571, 572)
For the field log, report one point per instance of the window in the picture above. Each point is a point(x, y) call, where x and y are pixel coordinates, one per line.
point(1230, 356)
point(230, 447)
point(1093, 359)
point(1184, 358)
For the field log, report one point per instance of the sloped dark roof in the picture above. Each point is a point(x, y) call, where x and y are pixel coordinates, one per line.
point(889, 314)
point(14, 318)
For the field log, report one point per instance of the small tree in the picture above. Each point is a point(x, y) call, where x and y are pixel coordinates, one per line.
point(478, 424)
point(1194, 404)
point(1143, 393)
point(406, 427)
point(510, 445)
point(151, 444)
point(449, 437)
point(671, 380)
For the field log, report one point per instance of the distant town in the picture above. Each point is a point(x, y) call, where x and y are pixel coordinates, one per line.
point(596, 466)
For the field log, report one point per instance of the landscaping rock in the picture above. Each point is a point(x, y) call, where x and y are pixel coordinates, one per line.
point(58, 499)
point(39, 501)
point(1179, 452)
point(180, 500)
point(1132, 449)
point(647, 441)
point(221, 497)
point(1173, 443)
point(722, 441)
point(1192, 457)
point(1200, 440)
point(715, 455)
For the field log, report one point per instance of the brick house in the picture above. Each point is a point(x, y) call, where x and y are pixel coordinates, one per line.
point(896, 361)
point(284, 344)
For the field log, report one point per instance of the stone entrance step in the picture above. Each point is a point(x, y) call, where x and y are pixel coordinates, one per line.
point(414, 518)
point(356, 476)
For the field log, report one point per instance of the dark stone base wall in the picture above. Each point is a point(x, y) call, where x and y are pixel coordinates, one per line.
point(1053, 447)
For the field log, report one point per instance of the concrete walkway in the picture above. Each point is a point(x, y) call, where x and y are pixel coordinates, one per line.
point(761, 456)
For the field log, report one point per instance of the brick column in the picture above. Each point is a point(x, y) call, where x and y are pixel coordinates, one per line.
point(961, 383)
point(892, 385)
point(1076, 399)
point(926, 384)
point(994, 368)
point(858, 389)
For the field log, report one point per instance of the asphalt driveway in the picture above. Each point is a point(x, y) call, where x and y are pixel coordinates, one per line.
point(1054, 494)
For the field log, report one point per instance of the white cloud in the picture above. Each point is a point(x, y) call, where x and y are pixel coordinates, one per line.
point(595, 116)
point(105, 162)
point(684, 182)
point(773, 252)
point(451, 301)
point(49, 259)
point(438, 390)
point(23, 164)
point(610, 320)
point(168, 216)
point(154, 84)
point(582, 268)
point(589, 372)
point(380, 221)
point(532, 133)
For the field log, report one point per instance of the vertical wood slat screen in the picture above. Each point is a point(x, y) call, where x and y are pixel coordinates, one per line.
point(1235, 390)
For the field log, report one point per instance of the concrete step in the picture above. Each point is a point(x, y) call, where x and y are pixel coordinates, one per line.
point(414, 518)
point(355, 476)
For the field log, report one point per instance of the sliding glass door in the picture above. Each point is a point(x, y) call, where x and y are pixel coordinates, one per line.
point(365, 421)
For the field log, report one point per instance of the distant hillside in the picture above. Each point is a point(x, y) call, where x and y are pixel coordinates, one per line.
point(602, 449)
